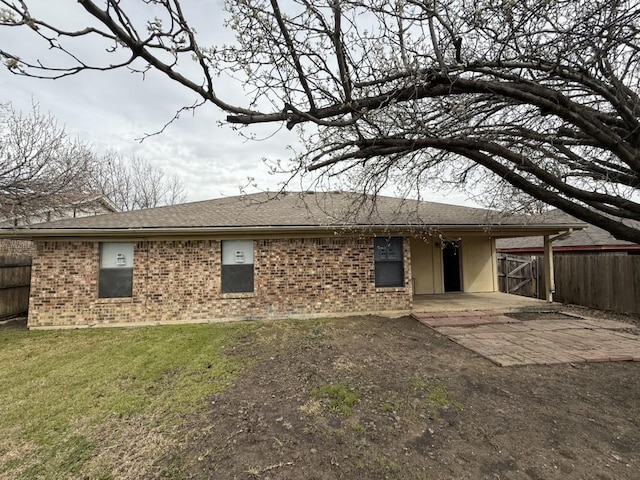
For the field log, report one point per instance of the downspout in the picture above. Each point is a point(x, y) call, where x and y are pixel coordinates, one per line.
point(549, 279)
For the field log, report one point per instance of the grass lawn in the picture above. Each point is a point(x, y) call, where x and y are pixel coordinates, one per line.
point(79, 403)
point(327, 399)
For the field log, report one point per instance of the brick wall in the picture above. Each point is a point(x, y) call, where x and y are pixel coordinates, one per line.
point(179, 281)
point(15, 247)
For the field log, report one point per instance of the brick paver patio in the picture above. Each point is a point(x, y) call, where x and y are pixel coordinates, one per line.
point(507, 341)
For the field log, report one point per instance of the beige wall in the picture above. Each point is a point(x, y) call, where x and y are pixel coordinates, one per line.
point(426, 265)
point(479, 265)
point(478, 258)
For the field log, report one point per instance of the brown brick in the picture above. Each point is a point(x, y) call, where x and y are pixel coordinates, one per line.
point(16, 247)
point(179, 281)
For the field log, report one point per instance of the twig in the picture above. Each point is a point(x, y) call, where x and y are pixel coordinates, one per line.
point(257, 471)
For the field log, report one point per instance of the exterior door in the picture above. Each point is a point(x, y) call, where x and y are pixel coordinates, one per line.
point(451, 267)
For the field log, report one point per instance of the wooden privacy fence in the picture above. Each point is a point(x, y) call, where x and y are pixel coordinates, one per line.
point(605, 281)
point(520, 274)
point(15, 278)
point(610, 282)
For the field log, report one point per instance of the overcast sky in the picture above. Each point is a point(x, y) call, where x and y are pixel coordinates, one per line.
point(111, 110)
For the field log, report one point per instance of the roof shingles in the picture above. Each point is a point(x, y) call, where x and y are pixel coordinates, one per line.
point(591, 236)
point(295, 210)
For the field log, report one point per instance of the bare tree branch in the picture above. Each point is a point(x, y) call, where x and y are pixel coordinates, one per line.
point(40, 165)
point(132, 183)
point(537, 96)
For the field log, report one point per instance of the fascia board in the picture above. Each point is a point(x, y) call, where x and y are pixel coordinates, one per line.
point(495, 231)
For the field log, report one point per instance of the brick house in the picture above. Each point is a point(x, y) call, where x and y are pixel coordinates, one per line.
point(262, 256)
point(15, 255)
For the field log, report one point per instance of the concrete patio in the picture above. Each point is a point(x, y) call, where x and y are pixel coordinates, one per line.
point(494, 301)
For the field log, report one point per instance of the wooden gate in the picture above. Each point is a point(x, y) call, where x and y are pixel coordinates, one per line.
point(520, 274)
point(15, 277)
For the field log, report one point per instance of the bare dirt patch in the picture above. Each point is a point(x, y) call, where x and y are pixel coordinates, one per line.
point(369, 397)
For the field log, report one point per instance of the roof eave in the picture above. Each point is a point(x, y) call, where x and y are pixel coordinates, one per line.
point(570, 248)
point(497, 231)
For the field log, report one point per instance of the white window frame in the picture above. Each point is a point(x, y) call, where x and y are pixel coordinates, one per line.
point(115, 277)
point(237, 268)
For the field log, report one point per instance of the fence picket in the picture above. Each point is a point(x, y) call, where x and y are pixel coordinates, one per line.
point(606, 281)
point(15, 279)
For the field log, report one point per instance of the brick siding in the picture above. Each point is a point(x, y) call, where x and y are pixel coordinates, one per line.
point(179, 281)
point(16, 247)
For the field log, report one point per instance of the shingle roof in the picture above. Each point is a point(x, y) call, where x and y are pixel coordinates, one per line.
point(295, 209)
point(61, 201)
point(590, 236)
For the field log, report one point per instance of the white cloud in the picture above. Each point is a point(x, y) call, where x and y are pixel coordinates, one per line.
point(111, 110)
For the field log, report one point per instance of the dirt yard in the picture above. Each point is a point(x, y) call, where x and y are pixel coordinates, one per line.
point(378, 398)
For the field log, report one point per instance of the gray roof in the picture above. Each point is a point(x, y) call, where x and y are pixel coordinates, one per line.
point(306, 209)
point(50, 203)
point(590, 236)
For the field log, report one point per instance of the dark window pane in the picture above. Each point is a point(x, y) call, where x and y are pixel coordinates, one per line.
point(115, 282)
point(388, 248)
point(237, 278)
point(389, 274)
point(389, 269)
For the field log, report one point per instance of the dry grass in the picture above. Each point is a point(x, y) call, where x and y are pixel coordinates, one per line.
point(105, 403)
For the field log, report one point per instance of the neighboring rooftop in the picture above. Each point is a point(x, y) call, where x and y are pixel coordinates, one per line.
point(590, 238)
point(305, 209)
point(52, 207)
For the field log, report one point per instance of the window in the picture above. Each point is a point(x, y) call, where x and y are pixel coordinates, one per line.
point(389, 268)
point(116, 270)
point(237, 266)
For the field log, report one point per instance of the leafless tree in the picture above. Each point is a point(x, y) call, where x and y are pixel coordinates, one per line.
point(42, 168)
point(40, 165)
point(132, 183)
point(542, 95)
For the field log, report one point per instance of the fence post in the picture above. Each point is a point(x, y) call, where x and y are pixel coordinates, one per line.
point(548, 269)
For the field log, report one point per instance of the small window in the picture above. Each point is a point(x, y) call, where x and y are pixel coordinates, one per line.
point(237, 266)
point(116, 270)
point(389, 267)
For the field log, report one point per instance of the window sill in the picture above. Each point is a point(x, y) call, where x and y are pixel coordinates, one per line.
point(390, 289)
point(239, 295)
point(115, 300)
